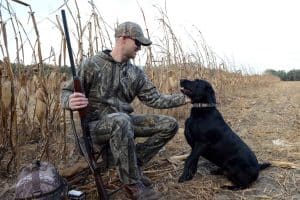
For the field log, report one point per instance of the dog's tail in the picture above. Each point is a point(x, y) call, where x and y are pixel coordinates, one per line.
point(264, 165)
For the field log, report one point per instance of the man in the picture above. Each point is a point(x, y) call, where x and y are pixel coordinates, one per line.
point(111, 83)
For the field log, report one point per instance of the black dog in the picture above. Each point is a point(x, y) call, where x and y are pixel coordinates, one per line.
point(210, 137)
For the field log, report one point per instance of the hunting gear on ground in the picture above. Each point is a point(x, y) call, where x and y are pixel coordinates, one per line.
point(40, 181)
point(111, 83)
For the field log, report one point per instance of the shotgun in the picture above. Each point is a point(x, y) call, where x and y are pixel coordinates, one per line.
point(86, 148)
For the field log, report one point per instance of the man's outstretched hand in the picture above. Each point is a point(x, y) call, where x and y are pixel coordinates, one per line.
point(187, 99)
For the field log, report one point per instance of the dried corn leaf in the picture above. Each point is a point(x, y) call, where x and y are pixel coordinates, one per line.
point(283, 164)
point(14, 136)
point(35, 83)
point(41, 110)
point(41, 106)
point(74, 169)
point(22, 99)
point(53, 81)
point(6, 94)
point(41, 95)
point(178, 159)
point(172, 80)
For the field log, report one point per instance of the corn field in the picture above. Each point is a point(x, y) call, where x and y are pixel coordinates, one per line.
point(34, 126)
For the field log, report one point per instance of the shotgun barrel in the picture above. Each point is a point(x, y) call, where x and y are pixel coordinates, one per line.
point(87, 147)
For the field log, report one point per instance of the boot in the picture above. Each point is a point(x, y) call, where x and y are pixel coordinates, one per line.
point(139, 191)
point(145, 180)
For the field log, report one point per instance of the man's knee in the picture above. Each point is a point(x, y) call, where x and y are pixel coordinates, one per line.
point(171, 126)
point(120, 119)
point(122, 122)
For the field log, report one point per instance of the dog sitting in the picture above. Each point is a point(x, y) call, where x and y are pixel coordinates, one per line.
point(211, 137)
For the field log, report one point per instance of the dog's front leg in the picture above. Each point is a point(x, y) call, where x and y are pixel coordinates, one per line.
point(191, 163)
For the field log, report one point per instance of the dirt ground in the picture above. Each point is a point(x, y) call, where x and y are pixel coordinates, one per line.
point(266, 118)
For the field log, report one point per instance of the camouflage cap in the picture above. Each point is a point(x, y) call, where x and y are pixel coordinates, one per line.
point(132, 30)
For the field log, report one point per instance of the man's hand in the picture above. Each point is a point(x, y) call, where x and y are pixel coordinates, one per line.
point(187, 99)
point(77, 100)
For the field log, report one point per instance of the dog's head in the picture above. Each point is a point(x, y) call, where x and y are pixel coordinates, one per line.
point(199, 91)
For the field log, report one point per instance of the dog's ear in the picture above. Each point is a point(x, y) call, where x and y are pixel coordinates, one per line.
point(211, 97)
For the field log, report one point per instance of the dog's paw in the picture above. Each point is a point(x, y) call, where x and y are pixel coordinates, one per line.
point(185, 178)
point(181, 179)
point(232, 187)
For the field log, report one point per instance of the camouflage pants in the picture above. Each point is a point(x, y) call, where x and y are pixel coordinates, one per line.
point(120, 130)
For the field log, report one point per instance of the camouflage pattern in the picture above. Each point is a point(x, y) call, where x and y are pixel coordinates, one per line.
point(122, 129)
point(132, 30)
point(111, 87)
point(40, 180)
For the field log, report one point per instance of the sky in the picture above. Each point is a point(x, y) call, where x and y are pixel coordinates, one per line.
point(256, 34)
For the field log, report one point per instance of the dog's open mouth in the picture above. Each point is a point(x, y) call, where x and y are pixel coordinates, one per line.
point(185, 91)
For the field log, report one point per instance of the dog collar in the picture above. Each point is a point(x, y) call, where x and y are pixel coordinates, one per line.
point(204, 105)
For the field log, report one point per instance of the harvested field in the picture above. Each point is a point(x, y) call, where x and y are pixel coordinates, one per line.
point(267, 118)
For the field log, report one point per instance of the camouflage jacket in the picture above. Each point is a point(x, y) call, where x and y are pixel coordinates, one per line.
point(111, 87)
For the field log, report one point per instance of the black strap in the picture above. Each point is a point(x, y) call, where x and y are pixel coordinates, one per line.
point(77, 140)
point(36, 182)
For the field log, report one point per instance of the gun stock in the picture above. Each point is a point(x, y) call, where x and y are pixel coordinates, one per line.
point(87, 148)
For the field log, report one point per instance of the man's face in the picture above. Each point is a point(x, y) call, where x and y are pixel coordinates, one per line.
point(131, 47)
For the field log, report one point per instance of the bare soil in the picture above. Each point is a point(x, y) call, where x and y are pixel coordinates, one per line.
point(266, 118)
